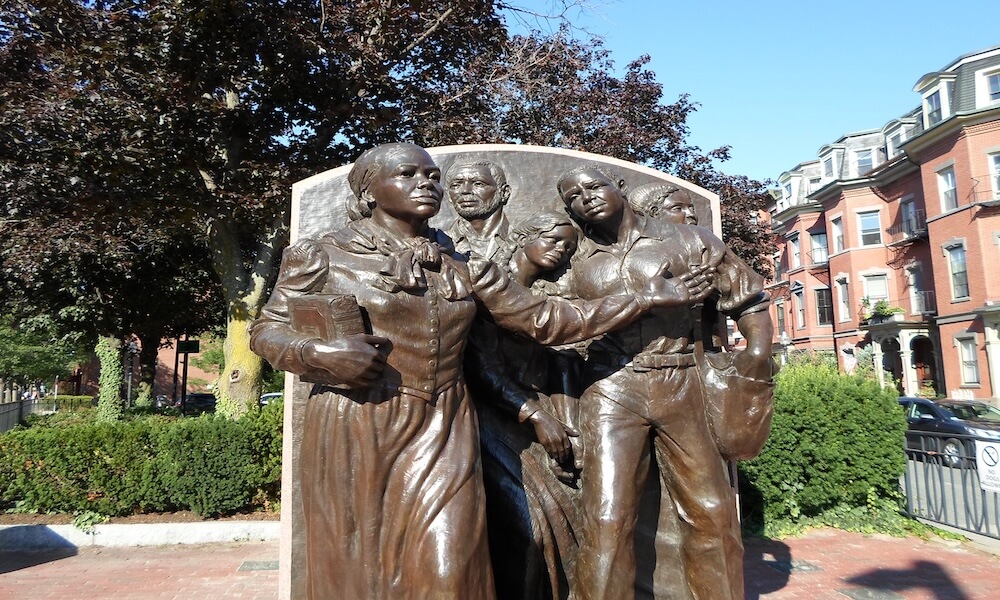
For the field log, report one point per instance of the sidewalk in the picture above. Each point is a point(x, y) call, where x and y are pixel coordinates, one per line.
point(821, 565)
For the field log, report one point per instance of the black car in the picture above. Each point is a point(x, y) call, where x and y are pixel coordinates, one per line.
point(198, 403)
point(931, 423)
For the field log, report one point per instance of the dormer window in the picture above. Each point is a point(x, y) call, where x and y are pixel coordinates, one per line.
point(864, 161)
point(993, 85)
point(828, 166)
point(788, 190)
point(932, 108)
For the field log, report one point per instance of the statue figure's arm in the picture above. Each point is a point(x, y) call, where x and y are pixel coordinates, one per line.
point(552, 321)
point(352, 361)
point(741, 296)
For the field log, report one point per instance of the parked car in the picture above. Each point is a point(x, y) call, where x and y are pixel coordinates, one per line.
point(269, 397)
point(965, 419)
point(197, 403)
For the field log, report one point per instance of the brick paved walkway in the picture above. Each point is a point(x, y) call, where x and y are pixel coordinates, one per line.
point(821, 565)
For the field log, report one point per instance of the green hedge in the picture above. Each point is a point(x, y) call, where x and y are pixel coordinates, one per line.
point(209, 465)
point(836, 441)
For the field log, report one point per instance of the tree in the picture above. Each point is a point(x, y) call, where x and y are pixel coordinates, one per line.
point(556, 90)
point(31, 353)
point(197, 116)
point(144, 125)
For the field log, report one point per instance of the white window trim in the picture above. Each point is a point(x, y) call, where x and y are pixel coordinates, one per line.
point(881, 234)
point(856, 155)
point(959, 342)
point(946, 249)
point(843, 300)
point(938, 178)
point(843, 236)
point(799, 308)
point(833, 306)
point(993, 168)
point(982, 86)
point(794, 252)
point(865, 275)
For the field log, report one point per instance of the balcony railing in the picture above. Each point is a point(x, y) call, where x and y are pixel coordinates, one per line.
point(910, 226)
point(923, 302)
point(818, 256)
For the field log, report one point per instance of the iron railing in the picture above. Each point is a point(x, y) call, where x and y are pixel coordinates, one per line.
point(941, 484)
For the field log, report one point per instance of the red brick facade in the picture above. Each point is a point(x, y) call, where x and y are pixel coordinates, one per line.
point(910, 215)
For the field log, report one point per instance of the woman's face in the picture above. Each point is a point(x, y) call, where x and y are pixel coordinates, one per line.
point(408, 186)
point(552, 248)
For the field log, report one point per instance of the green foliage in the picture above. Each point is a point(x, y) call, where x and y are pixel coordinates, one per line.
point(836, 442)
point(32, 354)
point(211, 357)
point(109, 400)
point(152, 463)
point(816, 358)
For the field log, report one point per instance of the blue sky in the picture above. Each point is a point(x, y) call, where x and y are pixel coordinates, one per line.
point(776, 80)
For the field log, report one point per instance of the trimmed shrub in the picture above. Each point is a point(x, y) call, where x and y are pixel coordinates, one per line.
point(836, 440)
point(209, 465)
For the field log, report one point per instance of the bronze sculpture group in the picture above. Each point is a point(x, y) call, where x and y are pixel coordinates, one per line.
point(463, 439)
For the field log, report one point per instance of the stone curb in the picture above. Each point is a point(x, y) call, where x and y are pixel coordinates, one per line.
point(48, 537)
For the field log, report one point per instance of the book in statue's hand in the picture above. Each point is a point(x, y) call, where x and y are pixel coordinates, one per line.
point(326, 317)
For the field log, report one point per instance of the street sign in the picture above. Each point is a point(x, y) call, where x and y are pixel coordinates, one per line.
point(988, 460)
point(188, 346)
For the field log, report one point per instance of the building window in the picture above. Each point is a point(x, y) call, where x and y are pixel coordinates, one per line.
point(932, 108)
point(800, 308)
point(995, 174)
point(828, 167)
point(794, 253)
point(993, 84)
point(864, 162)
point(912, 224)
point(876, 288)
point(946, 188)
point(894, 143)
point(787, 190)
point(820, 251)
point(970, 360)
point(959, 274)
point(779, 270)
point(780, 306)
point(837, 225)
point(814, 184)
point(843, 301)
point(824, 307)
point(871, 228)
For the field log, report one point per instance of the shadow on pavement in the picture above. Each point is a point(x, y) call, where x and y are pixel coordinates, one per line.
point(767, 566)
point(923, 575)
point(23, 546)
point(16, 560)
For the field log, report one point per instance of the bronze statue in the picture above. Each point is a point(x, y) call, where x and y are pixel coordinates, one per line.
point(390, 473)
point(478, 191)
point(664, 201)
point(647, 394)
point(516, 383)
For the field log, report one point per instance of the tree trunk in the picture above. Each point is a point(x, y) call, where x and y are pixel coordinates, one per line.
point(240, 384)
point(149, 346)
point(109, 400)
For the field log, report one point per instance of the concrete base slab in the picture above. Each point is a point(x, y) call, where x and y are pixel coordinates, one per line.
point(46, 537)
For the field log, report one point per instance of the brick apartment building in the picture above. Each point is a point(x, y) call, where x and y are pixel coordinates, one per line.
point(891, 240)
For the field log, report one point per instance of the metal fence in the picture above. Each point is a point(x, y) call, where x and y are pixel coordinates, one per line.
point(943, 487)
point(12, 413)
